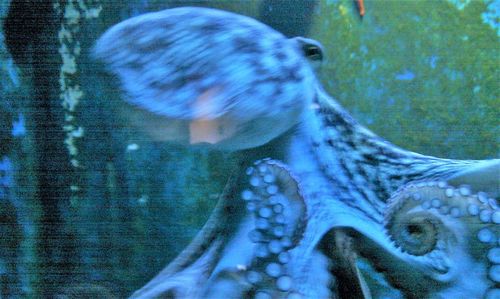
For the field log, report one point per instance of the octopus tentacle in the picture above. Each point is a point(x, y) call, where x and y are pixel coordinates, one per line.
point(230, 282)
point(279, 211)
point(430, 222)
point(339, 247)
point(200, 256)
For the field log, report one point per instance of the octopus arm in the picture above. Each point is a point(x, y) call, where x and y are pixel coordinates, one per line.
point(193, 266)
point(483, 177)
point(442, 240)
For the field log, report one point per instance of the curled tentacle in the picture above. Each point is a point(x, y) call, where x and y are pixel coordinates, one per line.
point(279, 211)
point(447, 232)
point(417, 234)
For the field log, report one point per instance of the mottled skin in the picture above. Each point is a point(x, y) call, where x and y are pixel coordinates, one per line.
point(162, 60)
point(295, 228)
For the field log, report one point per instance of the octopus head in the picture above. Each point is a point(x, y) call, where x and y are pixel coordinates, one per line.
point(204, 76)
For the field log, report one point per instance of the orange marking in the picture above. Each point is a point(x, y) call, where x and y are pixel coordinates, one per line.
point(206, 128)
point(361, 7)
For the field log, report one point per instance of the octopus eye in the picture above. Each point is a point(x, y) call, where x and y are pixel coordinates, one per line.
point(310, 48)
point(313, 52)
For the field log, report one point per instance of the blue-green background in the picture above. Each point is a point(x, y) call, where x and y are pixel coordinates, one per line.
point(423, 74)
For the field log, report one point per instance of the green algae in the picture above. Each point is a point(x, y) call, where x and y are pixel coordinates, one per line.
point(423, 74)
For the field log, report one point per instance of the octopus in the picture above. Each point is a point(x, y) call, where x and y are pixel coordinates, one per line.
point(328, 209)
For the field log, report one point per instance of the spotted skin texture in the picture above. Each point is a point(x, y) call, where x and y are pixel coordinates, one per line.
point(333, 173)
point(198, 65)
point(166, 60)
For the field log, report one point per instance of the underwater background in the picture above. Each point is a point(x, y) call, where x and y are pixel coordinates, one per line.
point(87, 201)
